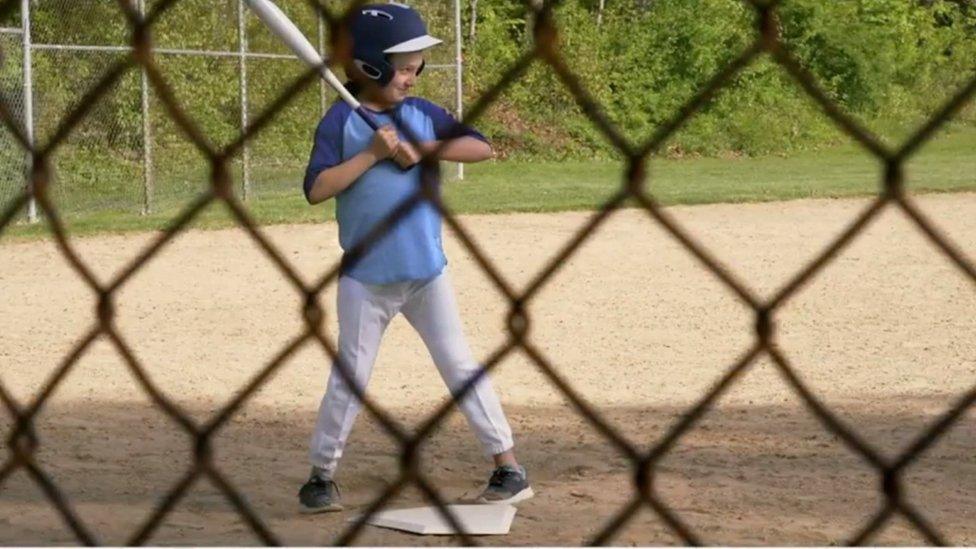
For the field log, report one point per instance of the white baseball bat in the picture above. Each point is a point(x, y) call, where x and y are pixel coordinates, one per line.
point(285, 29)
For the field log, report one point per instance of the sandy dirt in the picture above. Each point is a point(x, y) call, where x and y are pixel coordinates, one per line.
point(886, 336)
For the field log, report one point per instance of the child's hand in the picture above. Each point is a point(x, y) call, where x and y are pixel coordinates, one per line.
point(406, 155)
point(386, 142)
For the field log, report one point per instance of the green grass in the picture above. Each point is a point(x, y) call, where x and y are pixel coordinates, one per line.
point(947, 164)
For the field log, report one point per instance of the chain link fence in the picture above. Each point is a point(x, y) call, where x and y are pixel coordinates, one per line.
point(127, 155)
point(12, 157)
point(218, 156)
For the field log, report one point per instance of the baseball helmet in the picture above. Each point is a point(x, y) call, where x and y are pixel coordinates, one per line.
point(379, 30)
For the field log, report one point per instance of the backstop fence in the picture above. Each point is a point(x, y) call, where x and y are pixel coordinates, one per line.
point(144, 58)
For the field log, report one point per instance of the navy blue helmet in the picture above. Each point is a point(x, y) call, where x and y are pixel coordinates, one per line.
point(379, 30)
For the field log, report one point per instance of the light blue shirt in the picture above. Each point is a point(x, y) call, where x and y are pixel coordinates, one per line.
point(411, 249)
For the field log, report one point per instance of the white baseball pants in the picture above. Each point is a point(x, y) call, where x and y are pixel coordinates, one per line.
point(365, 310)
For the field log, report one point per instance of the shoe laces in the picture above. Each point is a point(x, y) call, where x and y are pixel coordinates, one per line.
point(500, 474)
point(319, 481)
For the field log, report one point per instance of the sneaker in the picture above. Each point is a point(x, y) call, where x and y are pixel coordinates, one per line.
point(507, 485)
point(319, 495)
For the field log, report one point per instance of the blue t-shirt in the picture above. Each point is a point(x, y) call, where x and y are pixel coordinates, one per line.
point(411, 249)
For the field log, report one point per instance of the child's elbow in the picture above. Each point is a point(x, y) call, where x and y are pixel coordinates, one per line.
point(485, 152)
point(314, 187)
point(314, 198)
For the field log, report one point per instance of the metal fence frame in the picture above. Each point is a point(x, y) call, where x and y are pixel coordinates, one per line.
point(23, 441)
point(242, 54)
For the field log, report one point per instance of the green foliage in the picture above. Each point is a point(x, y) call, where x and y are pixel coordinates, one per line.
point(887, 62)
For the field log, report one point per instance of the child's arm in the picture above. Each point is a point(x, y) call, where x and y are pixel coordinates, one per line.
point(460, 143)
point(338, 178)
point(461, 149)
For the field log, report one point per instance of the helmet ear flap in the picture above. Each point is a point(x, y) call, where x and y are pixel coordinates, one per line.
point(381, 74)
point(370, 71)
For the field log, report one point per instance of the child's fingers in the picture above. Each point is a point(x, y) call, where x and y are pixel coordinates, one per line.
point(391, 137)
point(386, 142)
point(407, 155)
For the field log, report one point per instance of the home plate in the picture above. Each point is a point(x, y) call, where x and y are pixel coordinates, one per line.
point(477, 520)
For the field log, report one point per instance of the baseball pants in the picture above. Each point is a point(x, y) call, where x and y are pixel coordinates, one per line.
point(365, 310)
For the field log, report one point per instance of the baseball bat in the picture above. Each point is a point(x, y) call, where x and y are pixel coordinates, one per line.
point(286, 30)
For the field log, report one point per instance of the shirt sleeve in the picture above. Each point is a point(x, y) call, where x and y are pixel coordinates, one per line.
point(327, 146)
point(445, 125)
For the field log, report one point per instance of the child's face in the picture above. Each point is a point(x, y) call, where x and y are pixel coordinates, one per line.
point(405, 67)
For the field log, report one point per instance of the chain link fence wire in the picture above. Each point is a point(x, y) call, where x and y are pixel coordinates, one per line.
point(278, 155)
point(129, 158)
point(217, 153)
point(78, 23)
point(12, 157)
point(99, 166)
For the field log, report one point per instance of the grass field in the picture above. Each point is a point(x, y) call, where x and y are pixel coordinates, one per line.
point(944, 165)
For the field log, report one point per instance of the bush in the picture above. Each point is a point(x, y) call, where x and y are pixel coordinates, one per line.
point(887, 62)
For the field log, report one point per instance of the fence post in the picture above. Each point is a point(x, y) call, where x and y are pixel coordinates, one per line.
point(322, 91)
point(28, 106)
point(458, 72)
point(148, 188)
point(242, 58)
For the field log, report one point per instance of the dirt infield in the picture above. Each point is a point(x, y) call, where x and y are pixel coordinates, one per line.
point(886, 336)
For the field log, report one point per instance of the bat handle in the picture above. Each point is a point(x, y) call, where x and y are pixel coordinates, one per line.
point(371, 122)
point(367, 118)
point(347, 97)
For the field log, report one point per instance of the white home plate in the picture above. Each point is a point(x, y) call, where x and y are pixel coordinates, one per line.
point(478, 520)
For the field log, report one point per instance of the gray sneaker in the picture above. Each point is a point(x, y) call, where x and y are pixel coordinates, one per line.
point(319, 495)
point(507, 485)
